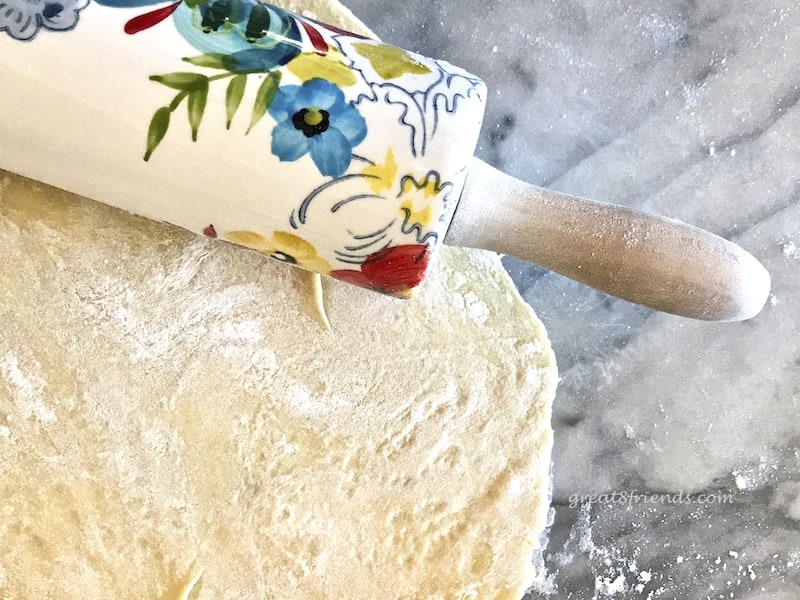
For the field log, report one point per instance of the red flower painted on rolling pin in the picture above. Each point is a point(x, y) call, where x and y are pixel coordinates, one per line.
point(395, 271)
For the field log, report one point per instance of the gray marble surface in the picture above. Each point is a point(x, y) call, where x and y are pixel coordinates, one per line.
point(691, 109)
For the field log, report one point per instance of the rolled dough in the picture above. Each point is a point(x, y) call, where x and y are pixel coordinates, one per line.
point(174, 422)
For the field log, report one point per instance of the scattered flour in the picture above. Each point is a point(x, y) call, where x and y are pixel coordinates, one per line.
point(477, 309)
point(789, 248)
point(26, 388)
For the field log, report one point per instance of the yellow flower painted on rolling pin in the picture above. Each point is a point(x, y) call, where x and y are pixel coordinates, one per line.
point(382, 176)
point(283, 246)
point(418, 198)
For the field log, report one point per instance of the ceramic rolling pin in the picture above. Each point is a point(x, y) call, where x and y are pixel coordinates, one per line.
point(321, 148)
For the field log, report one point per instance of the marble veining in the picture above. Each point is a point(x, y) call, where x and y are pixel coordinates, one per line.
point(690, 109)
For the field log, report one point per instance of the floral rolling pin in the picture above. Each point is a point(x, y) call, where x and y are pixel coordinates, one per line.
point(320, 148)
point(239, 120)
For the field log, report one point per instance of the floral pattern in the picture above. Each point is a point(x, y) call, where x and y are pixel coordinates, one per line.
point(285, 247)
point(382, 176)
point(395, 271)
point(422, 201)
point(22, 19)
point(390, 62)
point(253, 36)
point(315, 118)
point(366, 183)
point(438, 88)
point(331, 66)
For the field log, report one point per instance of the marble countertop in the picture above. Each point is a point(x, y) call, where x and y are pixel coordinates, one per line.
point(689, 109)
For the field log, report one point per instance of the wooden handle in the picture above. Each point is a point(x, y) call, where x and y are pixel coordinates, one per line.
point(647, 259)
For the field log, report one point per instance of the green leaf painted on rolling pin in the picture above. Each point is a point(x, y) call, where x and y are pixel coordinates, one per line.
point(182, 81)
point(264, 97)
point(176, 101)
point(197, 106)
point(209, 61)
point(390, 62)
point(158, 129)
point(233, 97)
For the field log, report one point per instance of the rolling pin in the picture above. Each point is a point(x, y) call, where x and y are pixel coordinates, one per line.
point(318, 147)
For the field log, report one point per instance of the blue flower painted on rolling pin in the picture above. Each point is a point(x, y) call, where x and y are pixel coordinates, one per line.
point(250, 35)
point(22, 19)
point(242, 38)
point(314, 118)
point(255, 37)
